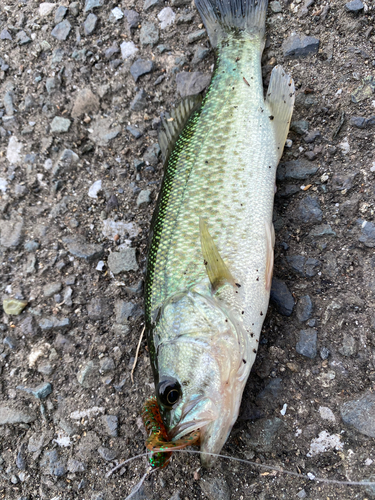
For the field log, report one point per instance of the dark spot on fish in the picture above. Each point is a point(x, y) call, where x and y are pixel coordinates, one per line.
point(257, 340)
point(205, 262)
point(237, 284)
point(254, 351)
point(244, 361)
point(232, 88)
point(237, 59)
point(226, 321)
point(257, 279)
point(261, 313)
point(206, 161)
point(269, 166)
point(247, 83)
point(243, 312)
point(271, 117)
point(251, 334)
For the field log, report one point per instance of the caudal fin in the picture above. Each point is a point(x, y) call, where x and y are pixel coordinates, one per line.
point(222, 17)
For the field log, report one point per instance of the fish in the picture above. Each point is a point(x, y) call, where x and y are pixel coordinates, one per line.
point(211, 249)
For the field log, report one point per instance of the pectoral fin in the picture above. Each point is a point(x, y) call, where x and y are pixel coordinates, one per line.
point(270, 241)
point(217, 271)
point(280, 100)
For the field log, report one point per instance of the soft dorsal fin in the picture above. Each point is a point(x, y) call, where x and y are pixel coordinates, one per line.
point(171, 128)
point(217, 271)
point(280, 100)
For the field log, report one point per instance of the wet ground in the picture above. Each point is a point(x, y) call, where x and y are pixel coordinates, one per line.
point(82, 87)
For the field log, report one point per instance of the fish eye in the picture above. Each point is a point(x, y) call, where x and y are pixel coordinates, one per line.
point(169, 392)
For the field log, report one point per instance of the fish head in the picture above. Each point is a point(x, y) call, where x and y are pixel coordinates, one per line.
point(200, 370)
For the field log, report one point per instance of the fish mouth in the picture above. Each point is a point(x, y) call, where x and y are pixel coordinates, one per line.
point(196, 414)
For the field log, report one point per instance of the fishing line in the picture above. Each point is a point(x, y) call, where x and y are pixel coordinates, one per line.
point(310, 477)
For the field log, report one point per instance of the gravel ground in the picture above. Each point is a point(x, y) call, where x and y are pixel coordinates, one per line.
point(82, 87)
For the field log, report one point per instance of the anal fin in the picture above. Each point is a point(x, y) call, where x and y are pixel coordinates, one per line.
point(172, 127)
point(217, 271)
point(280, 100)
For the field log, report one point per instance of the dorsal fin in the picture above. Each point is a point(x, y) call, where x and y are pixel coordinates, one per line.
point(217, 271)
point(171, 128)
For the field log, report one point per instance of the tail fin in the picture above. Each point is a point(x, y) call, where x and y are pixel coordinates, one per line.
point(221, 17)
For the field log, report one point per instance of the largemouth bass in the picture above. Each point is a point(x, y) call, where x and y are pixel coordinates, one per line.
point(210, 258)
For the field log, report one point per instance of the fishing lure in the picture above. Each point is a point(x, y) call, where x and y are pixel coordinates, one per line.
point(158, 441)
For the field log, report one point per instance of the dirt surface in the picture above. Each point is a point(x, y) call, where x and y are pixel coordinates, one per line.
point(68, 409)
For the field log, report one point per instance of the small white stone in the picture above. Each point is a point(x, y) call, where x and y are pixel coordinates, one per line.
point(327, 414)
point(289, 143)
point(3, 184)
point(14, 150)
point(90, 412)
point(368, 461)
point(325, 442)
point(283, 411)
point(372, 169)
point(46, 8)
point(166, 17)
point(324, 178)
point(344, 146)
point(117, 13)
point(128, 49)
point(48, 164)
point(62, 440)
point(310, 476)
point(95, 188)
point(100, 265)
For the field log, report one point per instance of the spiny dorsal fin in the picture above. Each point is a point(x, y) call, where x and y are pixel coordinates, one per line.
point(171, 128)
point(280, 99)
point(217, 271)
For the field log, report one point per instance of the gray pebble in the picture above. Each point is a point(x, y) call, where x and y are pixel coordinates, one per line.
point(79, 247)
point(110, 423)
point(272, 390)
point(22, 38)
point(61, 31)
point(139, 102)
point(295, 169)
point(52, 323)
point(263, 434)
point(132, 18)
point(185, 18)
point(46, 368)
point(302, 494)
point(367, 236)
point(312, 266)
point(11, 233)
point(360, 414)
point(5, 35)
point(196, 35)
point(141, 67)
point(99, 308)
point(31, 246)
point(300, 46)
point(92, 4)
point(8, 103)
point(343, 181)
point(324, 353)
point(52, 84)
point(124, 311)
point(322, 230)
point(349, 346)
point(135, 132)
point(125, 260)
point(281, 297)
point(300, 127)
point(152, 154)
point(304, 308)
point(87, 375)
point(90, 24)
point(10, 415)
point(9, 342)
point(311, 136)
point(215, 488)
point(39, 392)
point(191, 83)
point(111, 51)
point(85, 102)
point(276, 7)
point(51, 288)
point(200, 54)
point(149, 34)
point(74, 8)
point(76, 466)
point(358, 121)
point(60, 125)
point(20, 460)
point(60, 13)
point(309, 210)
point(355, 6)
point(107, 453)
point(307, 343)
point(144, 198)
point(106, 365)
